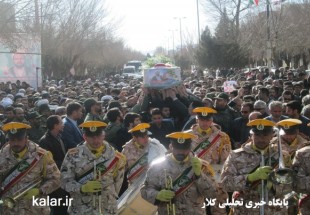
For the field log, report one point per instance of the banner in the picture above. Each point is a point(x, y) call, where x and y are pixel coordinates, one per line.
point(162, 77)
point(23, 63)
point(229, 86)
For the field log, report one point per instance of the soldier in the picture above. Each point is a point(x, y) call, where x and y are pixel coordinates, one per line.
point(301, 165)
point(25, 167)
point(93, 110)
point(140, 151)
point(93, 173)
point(179, 179)
point(291, 139)
point(213, 146)
point(246, 168)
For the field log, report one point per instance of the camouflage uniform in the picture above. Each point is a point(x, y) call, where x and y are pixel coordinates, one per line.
point(110, 131)
point(80, 159)
point(291, 148)
point(301, 165)
point(133, 152)
point(45, 168)
point(238, 165)
point(189, 201)
point(92, 117)
point(217, 154)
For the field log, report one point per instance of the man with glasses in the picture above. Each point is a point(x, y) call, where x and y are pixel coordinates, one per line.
point(261, 107)
point(241, 130)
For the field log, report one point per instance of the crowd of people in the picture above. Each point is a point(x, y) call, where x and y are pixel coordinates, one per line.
point(91, 140)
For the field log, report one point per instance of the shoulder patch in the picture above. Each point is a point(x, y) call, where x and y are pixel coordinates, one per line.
point(73, 151)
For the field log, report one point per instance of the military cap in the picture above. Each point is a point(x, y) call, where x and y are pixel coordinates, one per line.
point(289, 126)
point(261, 125)
point(181, 140)
point(15, 129)
point(140, 129)
point(224, 96)
point(93, 128)
point(204, 112)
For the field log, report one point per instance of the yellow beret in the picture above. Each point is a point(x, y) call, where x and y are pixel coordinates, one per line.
point(260, 124)
point(140, 127)
point(287, 123)
point(181, 136)
point(204, 111)
point(14, 126)
point(93, 125)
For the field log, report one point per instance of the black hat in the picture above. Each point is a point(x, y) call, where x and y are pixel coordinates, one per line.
point(224, 96)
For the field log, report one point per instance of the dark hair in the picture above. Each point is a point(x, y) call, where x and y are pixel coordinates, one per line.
point(287, 93)
point(197, 104)
point(130, 118)
point(9, 108)
point(52, 121)
point(155, 111)
point(248, 104)
point(295, 105)
point(264, 90)
point(73, 106)
point(250, 97)
point(304, 92)
point(43, 107)
point(113, 114)
point(234, 93)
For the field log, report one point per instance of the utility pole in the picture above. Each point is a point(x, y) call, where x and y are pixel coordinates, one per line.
point(198, 26)
point(268, 51)
point(180, 20)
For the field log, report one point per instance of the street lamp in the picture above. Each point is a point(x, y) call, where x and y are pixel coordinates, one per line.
point(198, 21)
point(173, 42)
point(180, 20)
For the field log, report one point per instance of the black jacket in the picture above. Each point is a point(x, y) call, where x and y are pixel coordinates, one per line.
point(52, 144)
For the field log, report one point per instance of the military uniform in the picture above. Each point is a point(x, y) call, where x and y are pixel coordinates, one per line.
point(138, 156)
point(93, 117)
point(77, 169)
point(301, 165)
point(111, 131)
point(213, 146)
point(235, 178)
point(188, 199)
point(39, 164)
point(299, 142)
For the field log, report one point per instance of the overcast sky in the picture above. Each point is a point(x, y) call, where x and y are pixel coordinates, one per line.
point(146, 23)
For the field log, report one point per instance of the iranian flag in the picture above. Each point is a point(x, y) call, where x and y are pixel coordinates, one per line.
point(254, 2)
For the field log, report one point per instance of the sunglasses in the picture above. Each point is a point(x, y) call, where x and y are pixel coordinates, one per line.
point(245, 112)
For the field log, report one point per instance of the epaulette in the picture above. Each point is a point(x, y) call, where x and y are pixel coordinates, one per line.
point(41, 151)
point(73, 151)
point(238, 150)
